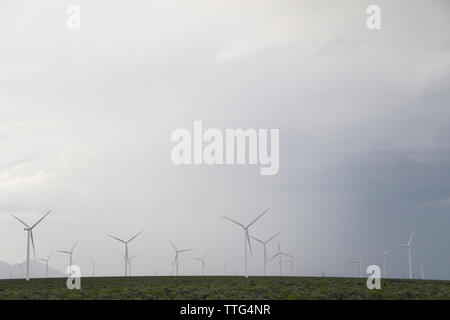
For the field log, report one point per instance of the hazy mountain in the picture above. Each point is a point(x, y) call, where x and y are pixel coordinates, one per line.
point(37, 270)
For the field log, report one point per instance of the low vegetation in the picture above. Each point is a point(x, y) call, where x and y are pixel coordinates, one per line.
point(200, 288)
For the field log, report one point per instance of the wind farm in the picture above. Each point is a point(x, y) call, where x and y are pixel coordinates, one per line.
point(176, 284)
point(236, 150)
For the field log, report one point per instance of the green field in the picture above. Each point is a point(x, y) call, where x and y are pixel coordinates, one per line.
point(200, 288)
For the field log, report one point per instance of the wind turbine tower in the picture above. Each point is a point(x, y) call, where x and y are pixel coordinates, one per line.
point(29, 231)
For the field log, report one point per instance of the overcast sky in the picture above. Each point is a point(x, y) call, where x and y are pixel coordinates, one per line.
point(364, 116)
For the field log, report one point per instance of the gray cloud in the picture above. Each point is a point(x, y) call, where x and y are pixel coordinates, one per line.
point(363, 119)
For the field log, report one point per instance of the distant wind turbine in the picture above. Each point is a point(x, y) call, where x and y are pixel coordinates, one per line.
point(290, 266)
point(177, 252)
point(93, 267)
point(360, 263)
point(264, 243)
point(246, 236)
point(202, 259)
point(70, 256)
point(29, 231)
point(422, 272)
point(383, 260)
point(46, 263)
point(20, 265)
point(129, 263)
point(280, 254)
point(410, 252)
point(126, 248)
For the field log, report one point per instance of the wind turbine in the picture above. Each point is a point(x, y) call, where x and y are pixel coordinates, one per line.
point(290, 266)
point(355, 268)
point(46, 263)
point(203, 263)
point(409, 246)
point(246, 236)
point(359, 262)
point(29, 231)
point(175, 260)
point(280, 254)
point(129, 263)
point(70, 256)
point(422, 272)
point(126, 247)
point(93, 268)
point(20, 265)
point(264, 243)
point(383, 259)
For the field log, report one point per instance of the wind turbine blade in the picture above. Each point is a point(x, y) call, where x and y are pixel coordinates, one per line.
point(173, 245)
point(234, 221)
point(272, 237)
point(184, 250)
point(279, 247)
point(257, 218)
point(249, 244)
point(402, 246)
point(257, 239)
point(206, 254)
point(34, 225)
point(276, 255)
point(21, 221)
point(287, 255)
point(48, 258)
point(411, 238)
point(135, 236)
point(115, 238)
point(71, 250)
point(32, 243)
point(63, 251)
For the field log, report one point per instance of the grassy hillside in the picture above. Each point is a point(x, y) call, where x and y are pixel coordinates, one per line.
point(223, 288)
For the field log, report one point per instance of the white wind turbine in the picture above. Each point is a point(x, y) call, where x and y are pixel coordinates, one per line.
point(383, 260)
point(290, 266)
point(29, 231)
point(129, 263)
point(280, 254)
point(360, 263)
point(202, 259)
point(246, 236)
point(93, 267)
point(126, 247)
point(70, 256)
point(410, 252)
point(46, 263)
point(355, 267)
point(422, 272)
point(264, 243)
point(175, 261)
point(20, 265)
